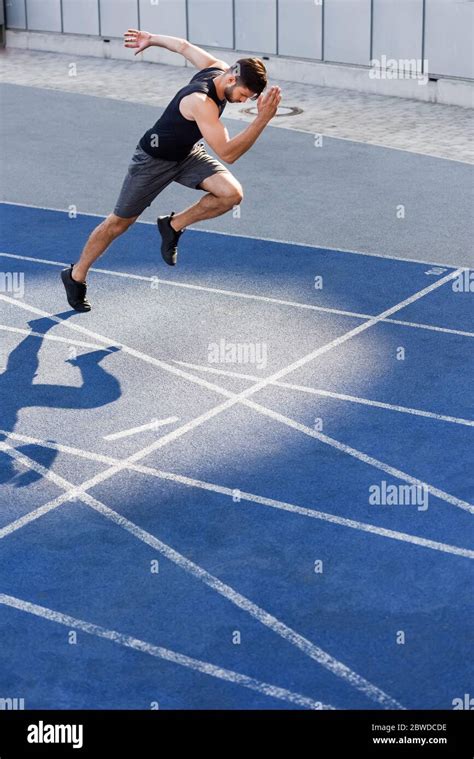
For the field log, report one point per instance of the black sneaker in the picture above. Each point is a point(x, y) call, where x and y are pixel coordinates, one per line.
point(75, 291)
point(169, 239)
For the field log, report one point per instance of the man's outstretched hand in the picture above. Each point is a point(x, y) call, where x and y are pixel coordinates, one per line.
point(138, 39)
point(267, 104)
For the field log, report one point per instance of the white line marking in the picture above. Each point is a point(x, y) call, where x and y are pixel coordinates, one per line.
point(331, 136)
point(201, 288)
point(431, 327)
point(143, 428)
point(365, 458)
point(54, 338)
point(247, 237)
point(244, 496)
point(206, 668)
point(124, 348)
point(288, 125)
point(330, 394)
point(311, 650)
point(247, 296)
point(243, 397)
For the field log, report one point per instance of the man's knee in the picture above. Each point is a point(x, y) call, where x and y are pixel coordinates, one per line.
point(233, 195)
point(239, 195)
point(116, 225)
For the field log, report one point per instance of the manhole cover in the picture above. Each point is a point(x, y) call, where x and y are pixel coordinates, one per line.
point(283, 110)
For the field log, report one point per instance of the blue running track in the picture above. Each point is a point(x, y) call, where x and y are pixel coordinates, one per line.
point(230, 556)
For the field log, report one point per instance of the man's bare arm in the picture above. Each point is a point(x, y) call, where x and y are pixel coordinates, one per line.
point(194, 54)
point(140, 40)
point(215, 133)
point(201, 58)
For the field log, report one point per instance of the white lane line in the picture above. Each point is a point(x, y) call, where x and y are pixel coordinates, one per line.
point(32, 516)
point(330, 394)
point(331, 136)
point(201, 288)
point(247, 237)
point(364, 457)
point(431, 327)
point(54, 338)
point(248, 296)
point(349, 335)
point(243, 397)
point(153, 425)
point(204, 667)
point(243, 495)
point(292, 637)
point(124, 348)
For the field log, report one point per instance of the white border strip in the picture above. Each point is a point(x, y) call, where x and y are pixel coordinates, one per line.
point(247, 296)
point(54, 338)
point(263, 239)
point(331, 136)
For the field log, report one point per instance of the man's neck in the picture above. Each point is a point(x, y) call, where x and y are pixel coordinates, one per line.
point(220, 86)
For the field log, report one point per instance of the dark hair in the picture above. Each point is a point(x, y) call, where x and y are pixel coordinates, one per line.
point(251, 73)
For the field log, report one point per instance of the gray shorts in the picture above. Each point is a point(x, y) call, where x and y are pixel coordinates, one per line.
point(148, 176)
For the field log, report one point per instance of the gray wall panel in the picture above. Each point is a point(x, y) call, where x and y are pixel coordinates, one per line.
point(168, 17)
point(210, 22)
point(16, 17)
point(397, 26)
point(255, 25)
point(44, 15)
point(449, 37)
point(81, 16)
point(116, 16)
point(347, 31)
point(299, 28)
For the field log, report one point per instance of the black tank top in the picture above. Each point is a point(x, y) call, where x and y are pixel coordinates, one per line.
point(173, 136)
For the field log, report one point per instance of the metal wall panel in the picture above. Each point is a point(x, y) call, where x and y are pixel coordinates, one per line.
point(255, 25)
point(116, 16)
point(347, 31)
point(166, 17)
point(44, 15)
point(210, 22)
point(397, 26)
point(299, 28)
point(449, 28)
point(81, 16)
point(397, 29)
point(16, 17)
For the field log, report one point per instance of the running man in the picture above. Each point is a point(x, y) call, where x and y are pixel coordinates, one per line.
point(171, 152)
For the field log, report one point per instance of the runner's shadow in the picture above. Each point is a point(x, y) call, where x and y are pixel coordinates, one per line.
point(18, 391)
